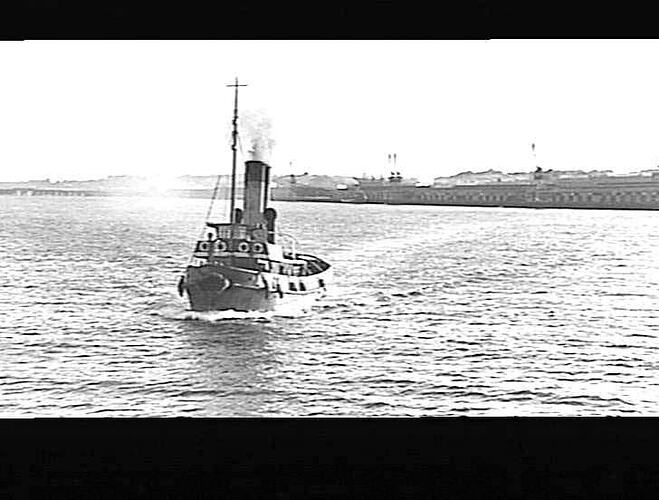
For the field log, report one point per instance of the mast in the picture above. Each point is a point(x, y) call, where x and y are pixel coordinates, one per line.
point(234, 135)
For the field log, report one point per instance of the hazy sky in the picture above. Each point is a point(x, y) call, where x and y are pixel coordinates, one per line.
point(82, 110)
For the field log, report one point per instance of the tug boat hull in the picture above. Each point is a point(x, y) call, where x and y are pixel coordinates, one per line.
point(219, 288)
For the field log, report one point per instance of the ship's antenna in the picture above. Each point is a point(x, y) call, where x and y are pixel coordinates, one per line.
point(234, 135)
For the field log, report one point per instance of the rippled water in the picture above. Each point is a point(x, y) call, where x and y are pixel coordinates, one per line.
point(434, 311)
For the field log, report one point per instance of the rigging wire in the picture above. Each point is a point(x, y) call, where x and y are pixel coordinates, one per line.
point(208, 213)
point(210, 206)
point(242, 155)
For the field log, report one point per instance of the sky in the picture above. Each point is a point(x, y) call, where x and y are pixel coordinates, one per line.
point(89, 109)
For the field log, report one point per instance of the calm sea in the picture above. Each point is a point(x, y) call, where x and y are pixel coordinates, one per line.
point(434, 311)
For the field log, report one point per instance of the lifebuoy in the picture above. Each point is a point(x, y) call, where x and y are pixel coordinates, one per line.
point(258, 247)
point(243, 247)
point(221, 245)
point(204, 246)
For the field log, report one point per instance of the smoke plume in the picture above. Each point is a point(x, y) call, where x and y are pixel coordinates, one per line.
point(257, 131)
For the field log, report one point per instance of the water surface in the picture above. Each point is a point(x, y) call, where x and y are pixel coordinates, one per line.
point(434, 311)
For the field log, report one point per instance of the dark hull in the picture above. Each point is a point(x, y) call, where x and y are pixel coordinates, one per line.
point(210, 288)
point(237, 299)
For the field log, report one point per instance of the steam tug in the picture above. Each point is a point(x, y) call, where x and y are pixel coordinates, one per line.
point(245, 264)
